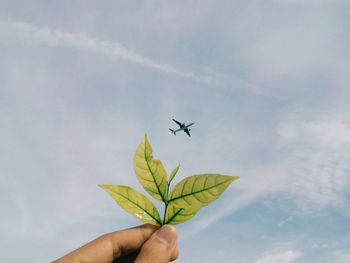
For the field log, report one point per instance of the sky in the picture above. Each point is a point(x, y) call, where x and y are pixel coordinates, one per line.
point(266, 83)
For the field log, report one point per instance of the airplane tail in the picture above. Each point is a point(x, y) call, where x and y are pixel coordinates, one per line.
point(173, 131)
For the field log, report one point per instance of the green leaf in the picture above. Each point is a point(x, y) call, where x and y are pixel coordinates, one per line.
point(199, 190)
point(134, 203)
point(150, 173)
point(173, 173)
point(177, 215)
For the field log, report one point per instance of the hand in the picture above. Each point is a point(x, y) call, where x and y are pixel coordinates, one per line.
point(142, 244)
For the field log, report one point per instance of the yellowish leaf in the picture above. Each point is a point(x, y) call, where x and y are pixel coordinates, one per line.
point(173, 173)
point(177, 215)
point(150, 172)
point(199, 190)
point(134, 203)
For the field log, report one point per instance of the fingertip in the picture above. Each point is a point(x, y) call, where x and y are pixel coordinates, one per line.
point(161, 247)
point(168, 235)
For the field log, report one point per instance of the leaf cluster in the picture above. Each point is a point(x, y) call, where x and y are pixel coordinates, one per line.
point(181, 204)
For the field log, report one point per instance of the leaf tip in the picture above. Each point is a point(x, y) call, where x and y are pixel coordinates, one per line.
point(103, 186)
point(145, 140)
point(106, 187)
point(234, 178)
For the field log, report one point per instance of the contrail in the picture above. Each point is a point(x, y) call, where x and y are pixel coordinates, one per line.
point(35, 35)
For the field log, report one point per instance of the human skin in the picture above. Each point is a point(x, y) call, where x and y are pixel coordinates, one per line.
point(142, 244)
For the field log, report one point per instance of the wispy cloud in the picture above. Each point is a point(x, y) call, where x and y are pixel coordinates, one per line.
point(35, 35)
point(313, 171)
point(340, 256)
point(318, 162)
point(285, 221)
point(288, 256)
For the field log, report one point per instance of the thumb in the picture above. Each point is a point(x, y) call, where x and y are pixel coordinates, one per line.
point(161, 247)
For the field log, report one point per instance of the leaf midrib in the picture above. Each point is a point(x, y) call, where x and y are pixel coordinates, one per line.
point(193, 193)
point(127, 198)
point(149, 168)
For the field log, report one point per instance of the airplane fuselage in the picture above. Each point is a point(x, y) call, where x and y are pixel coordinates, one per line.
point(184, 127)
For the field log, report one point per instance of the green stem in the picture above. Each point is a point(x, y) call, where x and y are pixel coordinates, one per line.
point(166, 207)
point(166, 203)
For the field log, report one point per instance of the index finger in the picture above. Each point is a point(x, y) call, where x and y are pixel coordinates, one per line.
point(111, 246)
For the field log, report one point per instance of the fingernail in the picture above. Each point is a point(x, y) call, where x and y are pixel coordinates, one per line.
point(167, 235)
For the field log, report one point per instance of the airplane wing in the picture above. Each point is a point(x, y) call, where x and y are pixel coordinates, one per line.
point(178, 123)
point(188, 132)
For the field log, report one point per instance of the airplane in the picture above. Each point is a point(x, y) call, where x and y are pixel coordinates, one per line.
point(183, 127)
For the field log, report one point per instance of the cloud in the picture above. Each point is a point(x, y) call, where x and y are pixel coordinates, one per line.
point(330, 134)
point(310, 167)
point(288, 256)
point(340, 256)
point(305, 2)
point(317, 161)
point(55, 37)
point(35, 35)
point(234, 204)
point(240, 194)
point(308, 41)
point(310, 163)
point(285, 221)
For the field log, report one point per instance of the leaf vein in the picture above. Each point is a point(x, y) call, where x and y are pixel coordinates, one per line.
point(142, 208)
point(155, 181)
point(192, 193)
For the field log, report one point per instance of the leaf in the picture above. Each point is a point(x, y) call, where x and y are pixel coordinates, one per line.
point(173, 173)
point(150, 173)
point(134, 203)
point(177, 215)
point(199, 190)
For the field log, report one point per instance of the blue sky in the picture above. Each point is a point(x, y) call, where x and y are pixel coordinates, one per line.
point(266, 83)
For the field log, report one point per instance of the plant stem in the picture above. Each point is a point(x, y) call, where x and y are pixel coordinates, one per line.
point(166, 207)
point(166, 203)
